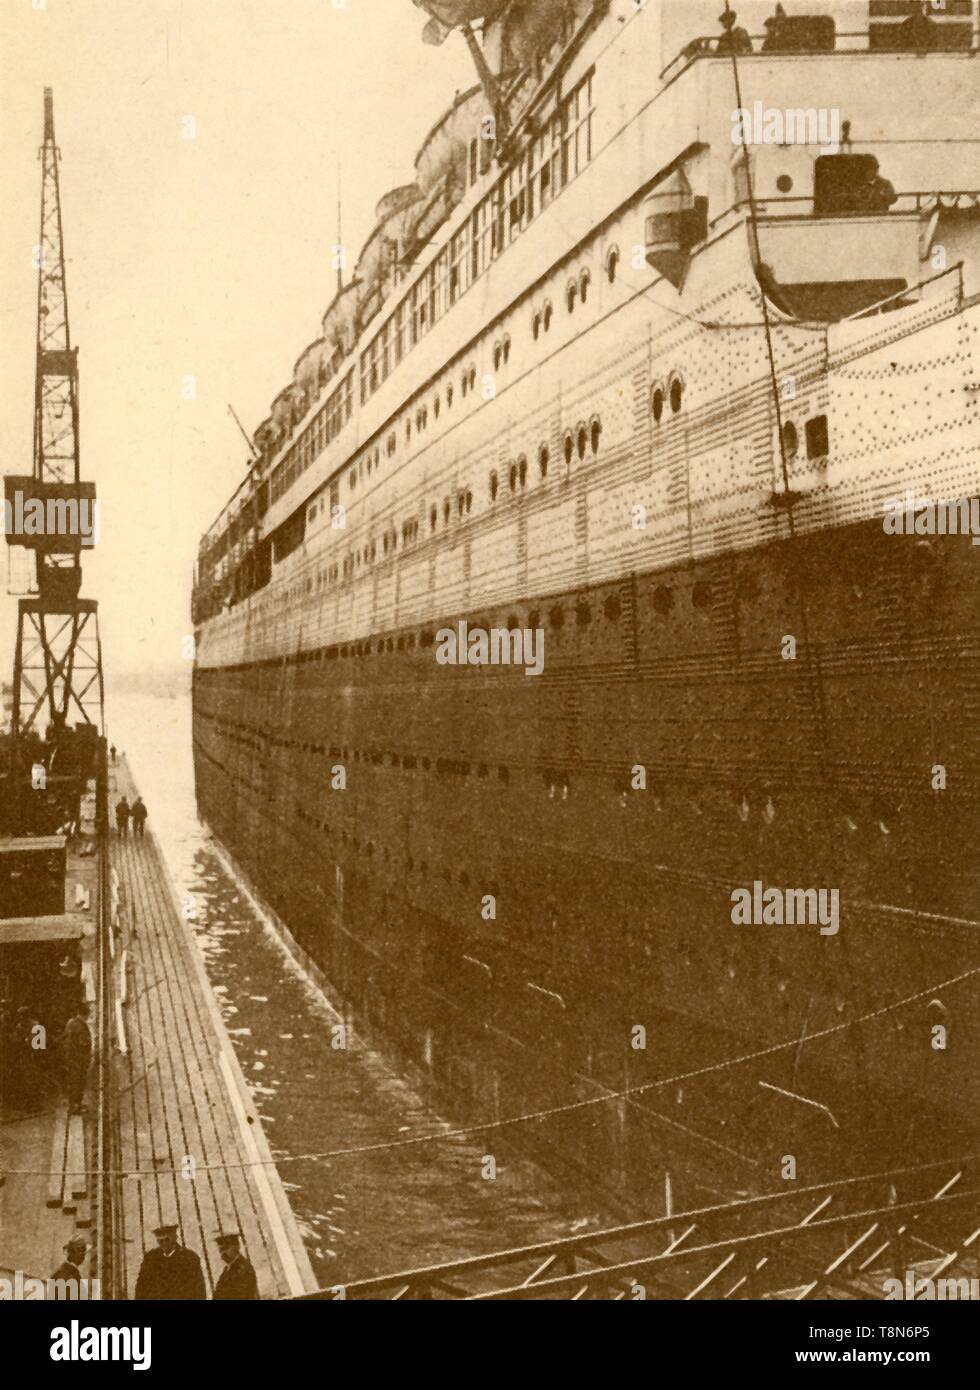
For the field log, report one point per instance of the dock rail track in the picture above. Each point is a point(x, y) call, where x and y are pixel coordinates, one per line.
point(837, 1240)
point(105, 1212)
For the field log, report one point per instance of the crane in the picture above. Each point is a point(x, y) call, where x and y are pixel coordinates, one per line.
point(58, 676)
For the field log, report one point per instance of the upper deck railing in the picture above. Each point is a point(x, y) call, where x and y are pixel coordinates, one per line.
point(964, 39)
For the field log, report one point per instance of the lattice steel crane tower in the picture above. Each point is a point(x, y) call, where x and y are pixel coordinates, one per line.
point(58, 660)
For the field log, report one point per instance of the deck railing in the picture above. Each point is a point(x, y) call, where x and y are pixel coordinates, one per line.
point(961, 39)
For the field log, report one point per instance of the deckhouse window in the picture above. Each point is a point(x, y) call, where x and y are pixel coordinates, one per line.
point(439, 287)
point(578, 124)
point(461, 262)
point(482, 236)
point(400, 314)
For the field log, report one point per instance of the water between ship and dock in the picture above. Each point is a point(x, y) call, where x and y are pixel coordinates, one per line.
point(360, 1215)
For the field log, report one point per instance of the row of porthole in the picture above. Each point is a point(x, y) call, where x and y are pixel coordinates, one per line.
point(578, 289)
point(579, 439)
point(611, 609)
point(661, 396)
point(663, 597)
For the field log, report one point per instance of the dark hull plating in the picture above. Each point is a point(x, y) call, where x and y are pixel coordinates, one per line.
point(613, 904)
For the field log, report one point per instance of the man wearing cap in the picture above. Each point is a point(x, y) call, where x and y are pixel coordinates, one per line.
point(237, 1280)
point(170, 1271)
point(66, 1281)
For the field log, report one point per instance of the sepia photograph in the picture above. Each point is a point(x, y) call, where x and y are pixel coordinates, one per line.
point(489, 667)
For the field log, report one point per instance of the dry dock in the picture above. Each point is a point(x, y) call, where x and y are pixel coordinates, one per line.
point(189, 1144)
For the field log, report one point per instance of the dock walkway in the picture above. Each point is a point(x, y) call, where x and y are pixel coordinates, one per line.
point(188, 1140)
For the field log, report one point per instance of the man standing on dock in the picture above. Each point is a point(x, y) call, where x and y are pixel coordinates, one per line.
point(139, 814)
point(76, 1056)
point(169, 1272)
point(66, 1281)
point(237, 1280)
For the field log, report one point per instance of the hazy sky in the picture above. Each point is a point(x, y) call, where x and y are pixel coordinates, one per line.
point(204, 257)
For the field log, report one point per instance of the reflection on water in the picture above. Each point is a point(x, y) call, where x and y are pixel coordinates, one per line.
point(372, 1213)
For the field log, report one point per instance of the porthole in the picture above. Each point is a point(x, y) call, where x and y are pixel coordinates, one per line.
point(522, 471)
point(701, 594)
point(497, 350)
point(676, 393)
point(556, 616)
point(784, 183)
point(469, 500)
point(585, 280)
point(543, 460)
point(446, 509)
point(657, 399)
point(449, 396)
point(472, 378)
point(571, 295)
point(536, 326)
point(611, 607)
point(548, 313)
point(612, 264)
point(791, 440)
point(595, 434)
point(505, 348)
point(494, 486)
point(582, 440)
point(817, 437)
point(436, 407)
point(663, 600)
point(583, 613)
point(433, 519)
point(569, 447)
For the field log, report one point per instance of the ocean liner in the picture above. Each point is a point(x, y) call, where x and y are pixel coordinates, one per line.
point(638, 366)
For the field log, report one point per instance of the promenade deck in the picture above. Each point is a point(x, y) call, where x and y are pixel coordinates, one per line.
point(189, 1143)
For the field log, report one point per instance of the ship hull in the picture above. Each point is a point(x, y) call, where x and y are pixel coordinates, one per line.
point(522, 886)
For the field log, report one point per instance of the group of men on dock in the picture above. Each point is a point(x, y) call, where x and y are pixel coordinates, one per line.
point(125, 812)
point(29, 1066)
point(169, 1272)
